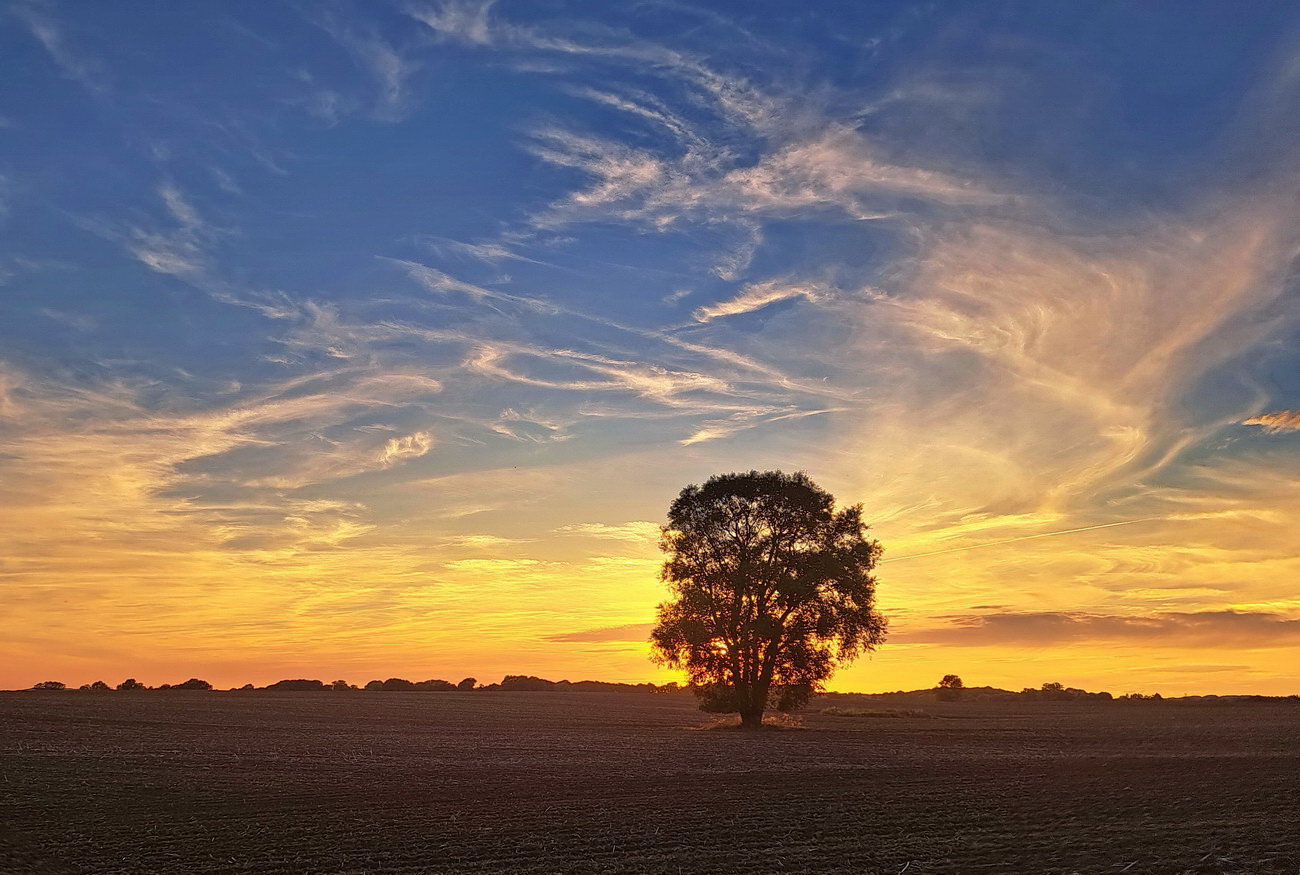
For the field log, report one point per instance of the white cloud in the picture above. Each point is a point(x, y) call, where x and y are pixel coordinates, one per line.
point(756, 296)
point(410, 446)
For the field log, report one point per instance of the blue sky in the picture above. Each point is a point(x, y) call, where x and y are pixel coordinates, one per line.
point(374, 338)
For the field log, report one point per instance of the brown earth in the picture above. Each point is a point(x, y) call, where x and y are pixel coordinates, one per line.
point(618, 782)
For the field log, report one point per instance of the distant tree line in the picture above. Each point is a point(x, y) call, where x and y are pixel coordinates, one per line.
point(949, 689)
point(510, 683)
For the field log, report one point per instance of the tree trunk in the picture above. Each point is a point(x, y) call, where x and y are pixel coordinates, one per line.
point(752, 707)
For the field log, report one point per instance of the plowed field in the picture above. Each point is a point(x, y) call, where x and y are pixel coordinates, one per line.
point(609, 782)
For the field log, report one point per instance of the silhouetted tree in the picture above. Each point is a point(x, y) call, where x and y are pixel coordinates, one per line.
point(950, 687)
point(435, 684)
point(772, 590)
point(467, 684)
point(193, 684)
point(50, 685)
point(341, 685)
point(397, 684)
point(99, 687)
point(521, 683)
point(375, 685)
point(131, 684)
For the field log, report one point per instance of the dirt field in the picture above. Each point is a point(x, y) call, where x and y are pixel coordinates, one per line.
point(609, 782)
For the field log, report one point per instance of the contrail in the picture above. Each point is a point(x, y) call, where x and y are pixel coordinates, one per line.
point(1022, 538)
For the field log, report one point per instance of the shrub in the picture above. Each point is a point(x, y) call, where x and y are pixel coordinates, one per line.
point(397, 684)
point(341, 685)
point(297, 684)
point(375, 685)
point(131, 684)
point(50, 685)
point(467, 684)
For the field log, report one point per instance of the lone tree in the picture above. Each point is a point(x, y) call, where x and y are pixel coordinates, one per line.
point(950, 687)
point(772, 591)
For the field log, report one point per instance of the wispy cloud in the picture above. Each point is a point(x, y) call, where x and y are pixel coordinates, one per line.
point(638, 531)
point(75, 64)
point(1277, 422)
point(464, 21)
point(630, 632)
point(181, 250)
point(756, 296)
point(388, 66)
point(1225, 629)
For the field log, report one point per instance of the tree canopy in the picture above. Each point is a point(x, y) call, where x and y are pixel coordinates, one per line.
point(772, 590)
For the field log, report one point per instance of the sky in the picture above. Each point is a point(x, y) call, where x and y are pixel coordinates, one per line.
point(358, 340)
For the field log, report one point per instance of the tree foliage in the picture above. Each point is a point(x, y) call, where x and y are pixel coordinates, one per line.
point(193, 684)
point(772, 590)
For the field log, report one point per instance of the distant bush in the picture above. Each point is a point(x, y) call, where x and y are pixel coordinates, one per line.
point(342, 685)
point(297, 684)
point(193, 684)
point(467, 684)
point(100, 687)
point(397, 684)
point(375, 685)
point(50, 685)
point(131, 684)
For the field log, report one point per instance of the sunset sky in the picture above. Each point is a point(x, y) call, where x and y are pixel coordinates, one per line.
point(373, 339)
